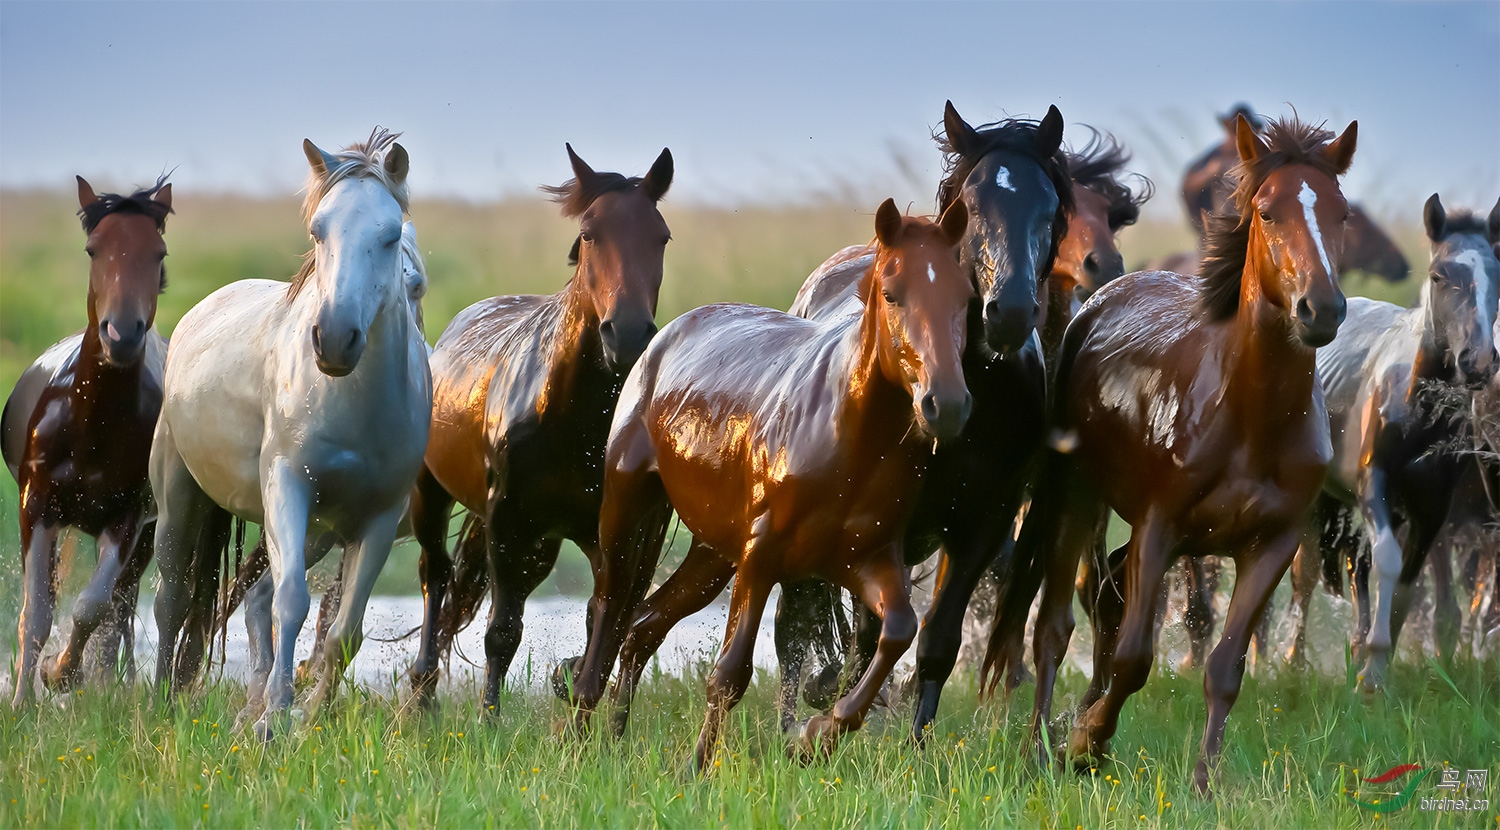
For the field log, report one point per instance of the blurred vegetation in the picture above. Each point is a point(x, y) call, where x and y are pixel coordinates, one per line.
point(756, 253)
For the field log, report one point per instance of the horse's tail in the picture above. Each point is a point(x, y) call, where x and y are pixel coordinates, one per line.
point(210, 559)
point(470, 577)
point(830, 632)
point(245, 574)
point(1338, 540)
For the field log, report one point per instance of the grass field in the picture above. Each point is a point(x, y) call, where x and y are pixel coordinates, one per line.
point(119, 757)
point(1295, 747)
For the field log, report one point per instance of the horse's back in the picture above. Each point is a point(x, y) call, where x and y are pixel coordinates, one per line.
point(497, 334)
point(832, 288)
point(1138, 318)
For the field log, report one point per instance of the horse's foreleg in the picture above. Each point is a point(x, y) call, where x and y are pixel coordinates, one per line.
point(362, 563)
point(1385, 558)
point(518, 564)
point(95, 603)
point(792, 633)
point(39, 541)
point(732, 672)
point(885, 587)
point(1135, 646)
point(1420, 533)
point(287, 499)
point(690, 588)
point(1306, 567)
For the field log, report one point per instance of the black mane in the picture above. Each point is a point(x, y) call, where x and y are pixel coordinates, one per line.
point(1098, 167)
point(137, 202)
point(575, 197)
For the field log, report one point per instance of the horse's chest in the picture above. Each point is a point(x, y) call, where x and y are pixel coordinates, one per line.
point(1250, 497)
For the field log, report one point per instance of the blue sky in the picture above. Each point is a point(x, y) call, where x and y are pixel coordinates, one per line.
point(758, 101)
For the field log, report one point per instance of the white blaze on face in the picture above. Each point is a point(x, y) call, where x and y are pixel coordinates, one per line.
point(1483, 296)
point(1309, 201)
point(931, 274)
point(1002, 179)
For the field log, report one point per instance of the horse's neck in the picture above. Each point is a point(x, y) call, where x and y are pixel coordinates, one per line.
point(1271, 377)
point(98, 380)
point(574, 353)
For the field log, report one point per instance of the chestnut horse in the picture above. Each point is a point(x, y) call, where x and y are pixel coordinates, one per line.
point(1396, 452)
point(792, 449)
point(1191, 406)
point(524, 390)
point(1206, 188)
point(76, 434)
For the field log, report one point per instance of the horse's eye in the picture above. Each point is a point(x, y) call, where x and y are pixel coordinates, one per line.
point(90, 252)
point(586, 237)
point(889, 297)
point(1265, 217)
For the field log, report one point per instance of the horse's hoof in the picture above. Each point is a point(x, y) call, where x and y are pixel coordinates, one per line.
point(619, 719)
point(1201, 783)
point(563, 676)
point(1083, 753)
point(815, 739)
point(57, 680)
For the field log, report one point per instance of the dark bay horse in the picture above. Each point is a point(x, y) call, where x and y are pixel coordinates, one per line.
point(76, 433)
point(1396, 451)
point(792, 449)
point(1206, 187)
point(1192, 408)
point(1013, 177)
point(524, 387)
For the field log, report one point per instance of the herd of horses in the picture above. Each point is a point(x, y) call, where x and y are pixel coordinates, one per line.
point(988, 386)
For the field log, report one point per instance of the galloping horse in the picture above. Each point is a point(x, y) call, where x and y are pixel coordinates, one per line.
point(76, 433)
point(1013, 178)
point(1394, 449)
point(1192, 408)
point(792, 449)
point(299, 407)
point(525, 387)
point(1206, 188)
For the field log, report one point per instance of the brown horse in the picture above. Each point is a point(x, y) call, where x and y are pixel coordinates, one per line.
point(792, 449)
point(523, 389)
point(76, 433)
point(1207, 186)
point(1192, 408)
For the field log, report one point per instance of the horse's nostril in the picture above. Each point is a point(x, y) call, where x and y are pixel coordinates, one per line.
point(317, 338)
point(1305, 311)
point(607, 332)
point(929, 407)
point(354, 337)
point(1091, 264)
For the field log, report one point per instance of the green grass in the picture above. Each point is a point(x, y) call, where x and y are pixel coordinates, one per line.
point(119, 757)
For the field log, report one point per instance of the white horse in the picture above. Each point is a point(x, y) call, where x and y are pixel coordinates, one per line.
point(298, 407)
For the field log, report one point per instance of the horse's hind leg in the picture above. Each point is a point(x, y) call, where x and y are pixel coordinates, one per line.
point(39, 541)
point(361, 566)
point(1200, 579)
point(182, 509)
point(732, 672)
point(1445, 616)
point(258, 627)
point(95, 603)
point(1257, 572)
point(328, 605)
point(701, 577)
point(518, 564)
point(430, 507)
point(1109, 610)
point(1306, 567)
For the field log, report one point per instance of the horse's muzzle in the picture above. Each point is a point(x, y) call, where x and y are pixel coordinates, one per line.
point(123, 344)
point(944, 417)
point(1007, 328)
point(337, 356)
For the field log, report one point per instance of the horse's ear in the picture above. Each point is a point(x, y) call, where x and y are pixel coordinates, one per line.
point(961, 137)
point(1433, 217)
point(1493, 225)
point(1246, 142)
point(582, 172)
point(320, 161)
point(163, 196)
point(955, 222)
point(659, 177)
point(1340, 151)
point(86, 195)
point(1049, 133)
point(888, 223)
point(397, 163)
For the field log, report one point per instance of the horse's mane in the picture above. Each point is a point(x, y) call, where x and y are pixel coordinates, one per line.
point(1465, 221)
point(360, 160)
point(575, 197)
point(1098, 167)
point(138, 202)
point(1016, 135)
point(1226, 238)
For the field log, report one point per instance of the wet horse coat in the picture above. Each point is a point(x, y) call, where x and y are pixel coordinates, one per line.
point(76, 434)
point(791, 449)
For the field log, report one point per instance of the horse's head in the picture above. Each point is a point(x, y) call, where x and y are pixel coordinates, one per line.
point(1088, 256)
point(356, 200)
point(622, 240)
point(919, 298)
point(1463, 283)
point(1012, 178)
point(1293, 213)
point(1368, 249)
point(126, 271)
point(1207, 188)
